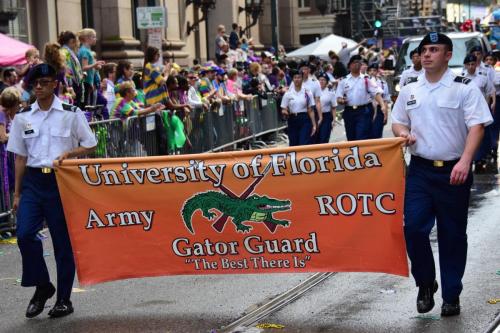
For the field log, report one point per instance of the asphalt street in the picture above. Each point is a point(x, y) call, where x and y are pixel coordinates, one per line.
point(346, 302)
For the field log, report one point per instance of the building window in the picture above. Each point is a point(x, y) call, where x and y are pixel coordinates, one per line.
point(87, 14)
point(304, 4)
point(14, 19)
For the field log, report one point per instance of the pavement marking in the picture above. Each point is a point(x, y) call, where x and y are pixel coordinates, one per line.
point(277, 303)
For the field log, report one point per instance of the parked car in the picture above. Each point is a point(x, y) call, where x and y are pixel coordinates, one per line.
point(462, 43)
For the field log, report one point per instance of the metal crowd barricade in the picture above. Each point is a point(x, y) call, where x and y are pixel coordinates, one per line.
point(110, 138)
point(223, 120)
point(141, 135)
point(253, 115)
point(7, 221)
point(201, 133)
point(215, 129)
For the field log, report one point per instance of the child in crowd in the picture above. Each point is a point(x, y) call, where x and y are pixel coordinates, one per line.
point(108, 83)
point(74, 73)
point(88, 38)
point(32, 57)
point(125, 106)
point(124, 72)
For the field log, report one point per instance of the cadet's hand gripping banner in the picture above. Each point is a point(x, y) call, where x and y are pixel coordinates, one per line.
point(333, 207)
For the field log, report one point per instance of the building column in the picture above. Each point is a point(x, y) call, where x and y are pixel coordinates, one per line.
point(289, 24)
point(42, 17)
point(176, 33)
point(113, 20)
point(69, 15)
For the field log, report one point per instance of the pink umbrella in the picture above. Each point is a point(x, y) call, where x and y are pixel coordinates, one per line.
point(12, 51)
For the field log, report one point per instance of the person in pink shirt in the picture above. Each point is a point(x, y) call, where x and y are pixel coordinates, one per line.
point(232, 86)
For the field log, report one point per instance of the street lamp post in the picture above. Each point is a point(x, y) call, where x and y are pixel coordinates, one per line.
point(204, 6)
point(322, 6)
point(252, 9)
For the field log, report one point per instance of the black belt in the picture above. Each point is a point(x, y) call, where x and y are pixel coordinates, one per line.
point(433, 163)
point(354, 107)
point(295, 114)
point(45, 171)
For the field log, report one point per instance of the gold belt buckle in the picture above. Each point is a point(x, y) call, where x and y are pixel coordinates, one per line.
point(438, 164)
point(46, 170)
point(354, 107)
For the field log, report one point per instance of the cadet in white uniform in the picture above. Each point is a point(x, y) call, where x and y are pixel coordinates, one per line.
point(297, 105)
point(478, 77)
point(487, 69)
point(47, 130)
point(356, 92)
point(380, 118)
point(310, 82)
point(491, 60)
point(487, 87)
point(442, 118)
point(328, 108)
point(414, 71)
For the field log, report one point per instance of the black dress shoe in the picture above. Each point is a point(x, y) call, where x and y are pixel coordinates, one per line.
point(450, 309)
point(425, 298)
point(37, 303)
point(61, 308)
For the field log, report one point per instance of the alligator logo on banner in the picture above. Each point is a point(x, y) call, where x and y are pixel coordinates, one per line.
point(243, 208)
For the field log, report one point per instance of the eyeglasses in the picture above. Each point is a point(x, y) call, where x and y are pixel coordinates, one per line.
point(42, 82)
point(191, 77)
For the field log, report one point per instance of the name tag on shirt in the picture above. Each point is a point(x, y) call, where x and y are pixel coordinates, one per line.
point(411, 102)
point(29, 131)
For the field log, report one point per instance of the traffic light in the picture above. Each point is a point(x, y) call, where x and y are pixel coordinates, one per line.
point(378, 19)
point(377, 24)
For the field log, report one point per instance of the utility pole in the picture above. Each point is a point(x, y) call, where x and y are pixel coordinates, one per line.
point(275, 24)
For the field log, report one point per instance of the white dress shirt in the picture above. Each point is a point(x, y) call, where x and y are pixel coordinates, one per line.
point(297, 101)
point(357, 90)
point(440, 115)
point(481, 81)
point(43, 136)
point(409, 73)
point(328, 100)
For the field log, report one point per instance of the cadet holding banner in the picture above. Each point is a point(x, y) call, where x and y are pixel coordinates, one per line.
point(41, 133)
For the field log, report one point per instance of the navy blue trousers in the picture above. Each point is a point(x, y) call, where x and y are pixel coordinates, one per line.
point(299, 130)
point(486, 144)
point(495, 127)
point(430, 199)
point(378, 124)
point(325, 128)
point(40, 201)
point(358, 123)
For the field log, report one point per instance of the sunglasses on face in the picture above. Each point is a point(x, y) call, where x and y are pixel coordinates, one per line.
point(42, 82)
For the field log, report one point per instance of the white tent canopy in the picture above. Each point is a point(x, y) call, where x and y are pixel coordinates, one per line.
point(320, 48)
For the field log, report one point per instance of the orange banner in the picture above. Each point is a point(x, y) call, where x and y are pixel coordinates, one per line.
point(332, 207)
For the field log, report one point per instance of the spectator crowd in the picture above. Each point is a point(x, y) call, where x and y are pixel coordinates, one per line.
point(238, 72)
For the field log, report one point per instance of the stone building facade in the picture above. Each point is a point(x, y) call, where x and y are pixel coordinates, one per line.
point(40, 21)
